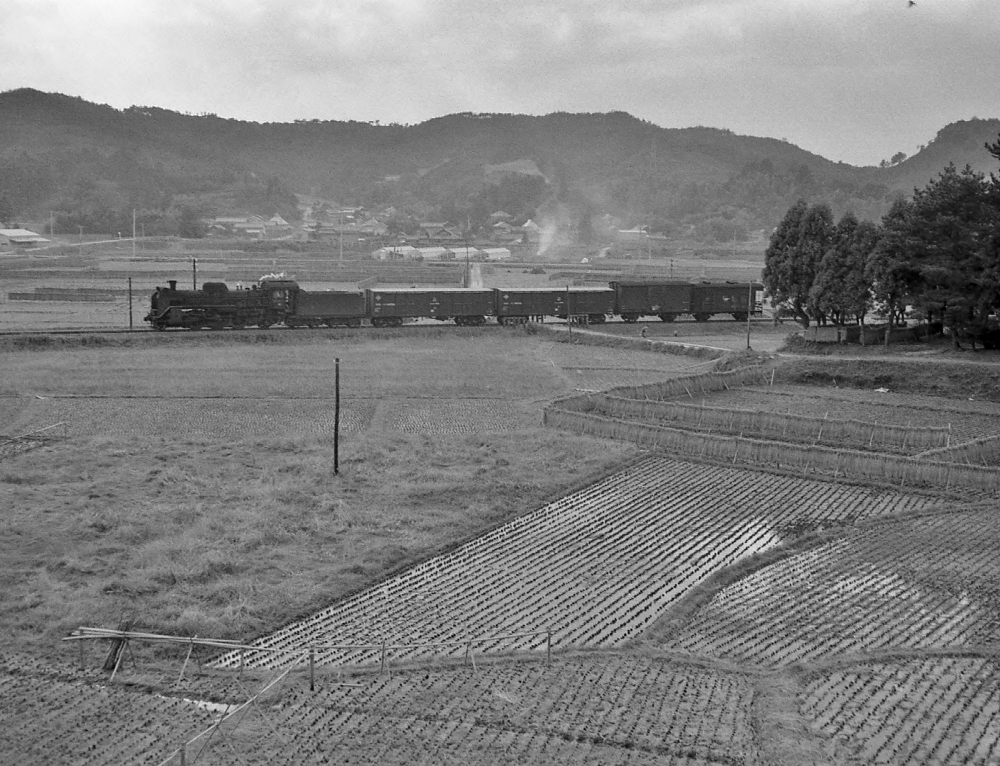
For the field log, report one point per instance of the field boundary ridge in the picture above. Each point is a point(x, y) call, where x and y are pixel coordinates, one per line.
point(894, 469)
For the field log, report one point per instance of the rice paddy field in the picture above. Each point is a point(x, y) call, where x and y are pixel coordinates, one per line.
point(465, 585)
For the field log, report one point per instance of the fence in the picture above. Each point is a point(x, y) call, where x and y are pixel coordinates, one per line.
point(382, 650)
point(121, 639)
point(893, 469)
point(985, 450)
point(705, 383)
point(776, 425)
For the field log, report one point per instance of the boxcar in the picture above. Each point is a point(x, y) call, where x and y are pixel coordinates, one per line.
point(634, 300)
point(518, 305)
point(736, 298)
point(332, 308)
point(593, 304)
point(390, 307)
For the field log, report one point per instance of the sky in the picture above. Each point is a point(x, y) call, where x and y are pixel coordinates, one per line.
point(851, 80)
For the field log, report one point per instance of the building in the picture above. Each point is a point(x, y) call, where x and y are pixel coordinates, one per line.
point(432, 254)
point(532, 231)
point(496, 253)
point(463, 253)
point(19, 239)
point(438, 232)
point(395, 253)
point(632, 236)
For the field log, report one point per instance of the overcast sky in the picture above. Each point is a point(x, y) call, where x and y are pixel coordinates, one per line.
point(851, 80)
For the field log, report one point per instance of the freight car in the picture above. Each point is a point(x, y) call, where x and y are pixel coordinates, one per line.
point(389, 308)
point(519, 305)
point(702, 300)
point(739, 300)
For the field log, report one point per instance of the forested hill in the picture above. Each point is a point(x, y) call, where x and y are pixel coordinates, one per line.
point(65, 154)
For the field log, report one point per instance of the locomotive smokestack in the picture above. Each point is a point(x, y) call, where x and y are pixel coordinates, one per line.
point(173, 284)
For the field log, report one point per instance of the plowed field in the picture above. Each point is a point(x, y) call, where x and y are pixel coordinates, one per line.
point(932, 582)
point(601, 710)
point(596, 567)
point(928, 711)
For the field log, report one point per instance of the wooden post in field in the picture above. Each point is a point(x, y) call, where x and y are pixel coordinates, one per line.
point(381, 669)
point(749, 312)
point(130, 303)
point(312, 669)
point(194, 273)
point(548, 648)
point(569, 317)
point(336, 416)
point(81, 655)
point(183, 755)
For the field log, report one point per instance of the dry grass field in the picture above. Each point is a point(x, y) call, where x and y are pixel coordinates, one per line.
point(197, 478)
point(700, 613)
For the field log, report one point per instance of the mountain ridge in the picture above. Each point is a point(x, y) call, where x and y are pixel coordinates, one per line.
point(60, 152)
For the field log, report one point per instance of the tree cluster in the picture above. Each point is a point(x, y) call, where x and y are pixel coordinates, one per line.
point(937, 253)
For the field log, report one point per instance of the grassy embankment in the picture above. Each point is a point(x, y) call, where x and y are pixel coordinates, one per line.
point(200, 524)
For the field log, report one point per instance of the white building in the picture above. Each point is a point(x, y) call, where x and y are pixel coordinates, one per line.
point(395, 253)
point(462, 253)
point(432, 253)
point(19, 239)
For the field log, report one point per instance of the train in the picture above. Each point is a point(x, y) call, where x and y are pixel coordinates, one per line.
point(280, 301)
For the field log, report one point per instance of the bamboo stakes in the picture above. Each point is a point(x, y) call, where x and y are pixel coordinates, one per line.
point(896, 469)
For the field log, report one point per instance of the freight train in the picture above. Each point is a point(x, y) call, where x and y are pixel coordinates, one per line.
point(276, 301)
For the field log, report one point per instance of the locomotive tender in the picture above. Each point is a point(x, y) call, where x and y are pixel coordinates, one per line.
point(281, 301)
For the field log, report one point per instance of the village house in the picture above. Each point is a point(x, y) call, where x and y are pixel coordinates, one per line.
point(438, 233)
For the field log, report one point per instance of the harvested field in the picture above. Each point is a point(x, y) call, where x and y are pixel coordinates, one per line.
point(934, 710)
point(216, 417)
point(234, 523)
point(968, 420)
point(64, 721)
point(596, 567)
point(455, 416)
point(596, 709)
point(918, 583)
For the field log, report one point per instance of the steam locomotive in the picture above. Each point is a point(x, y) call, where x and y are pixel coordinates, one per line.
point(274, 301)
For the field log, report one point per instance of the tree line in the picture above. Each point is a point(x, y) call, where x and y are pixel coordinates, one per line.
point(936, 253)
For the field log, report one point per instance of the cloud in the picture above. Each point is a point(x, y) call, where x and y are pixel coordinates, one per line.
point(850, 79)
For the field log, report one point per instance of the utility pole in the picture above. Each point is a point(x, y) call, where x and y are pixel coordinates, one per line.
point(569, 317)
point(336, 417)
point(749, 312)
